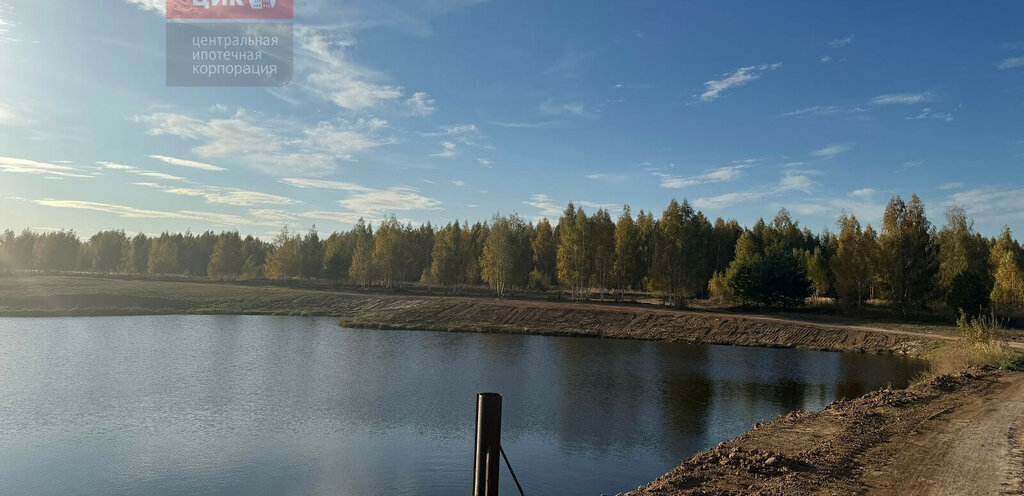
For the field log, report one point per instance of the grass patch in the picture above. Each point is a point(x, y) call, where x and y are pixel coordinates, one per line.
point(976, 346)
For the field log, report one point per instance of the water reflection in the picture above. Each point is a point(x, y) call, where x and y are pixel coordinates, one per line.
point(269, 405)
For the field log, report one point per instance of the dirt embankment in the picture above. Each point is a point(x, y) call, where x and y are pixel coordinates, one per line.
point(952, 435)
point(68, 296)
point(626, 322)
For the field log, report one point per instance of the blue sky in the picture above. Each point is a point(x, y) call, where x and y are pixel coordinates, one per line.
point(451, 109)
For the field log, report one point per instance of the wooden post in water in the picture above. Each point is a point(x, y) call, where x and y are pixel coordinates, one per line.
point(488, 444)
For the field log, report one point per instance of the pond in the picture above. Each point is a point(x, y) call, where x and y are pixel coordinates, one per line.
point(253, 405)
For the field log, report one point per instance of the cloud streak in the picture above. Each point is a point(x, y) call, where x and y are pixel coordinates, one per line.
point(715, 87)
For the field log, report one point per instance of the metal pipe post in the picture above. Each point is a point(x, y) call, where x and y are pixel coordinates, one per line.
point(488, 444)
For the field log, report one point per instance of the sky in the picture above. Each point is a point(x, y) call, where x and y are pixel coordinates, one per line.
point(436, 110)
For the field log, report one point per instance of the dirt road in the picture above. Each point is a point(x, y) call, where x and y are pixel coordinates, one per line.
point(954, 435)
point(970, 448)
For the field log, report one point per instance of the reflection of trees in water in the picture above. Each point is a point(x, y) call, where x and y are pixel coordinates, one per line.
point(686, 401)
point(605, 388)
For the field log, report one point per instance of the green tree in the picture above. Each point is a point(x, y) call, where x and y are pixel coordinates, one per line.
point(107, 251)
point(778, 279)
point(572, 260)
point(163, 255)
point(138, 254)
point(361, 269)
point(964, 268)
point(602, 249)
point(506, 254)
point(626, 268)
point(389, 252)
point(338, 250)
point(226, 261)
point(909, 256)
point(447, 265)
point(1008, 291)
point(544, 248)
point(283, 259)
point(854, 264)
point(311, 256)
point(59, 250)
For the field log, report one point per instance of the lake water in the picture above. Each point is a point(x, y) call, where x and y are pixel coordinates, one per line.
point(243, 405)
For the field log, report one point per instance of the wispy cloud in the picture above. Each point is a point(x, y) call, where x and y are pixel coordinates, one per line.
point(832, 150)
point(607, 177)
point(139, 213)
point(840, 42)
point(1010, 63)
point(928, 113)
point(448, 150)
point(991, 203)
point(485, 162)
point(902, 98)
point(717, 175)
point(226, 196)
point(863, 203)
point(523, 125)
point(131, 169)
point(370, 203)
point(279, 147)
point(715, 87)
point(820, 110)
point(791, 181)
point(552, 108)
point(186, 163)
point(13, 165)
point(300, 182)
point(421, 104)
point(545, 205)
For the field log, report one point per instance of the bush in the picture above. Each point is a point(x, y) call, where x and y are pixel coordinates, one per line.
point(719, 288)
point(977, 346)
point(1013, 363)
point(776, 280)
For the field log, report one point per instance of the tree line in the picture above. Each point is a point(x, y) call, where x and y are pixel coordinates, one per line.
point(678, 256)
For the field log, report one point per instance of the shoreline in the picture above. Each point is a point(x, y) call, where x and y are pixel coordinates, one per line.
point(970, 423)
point(65, 296)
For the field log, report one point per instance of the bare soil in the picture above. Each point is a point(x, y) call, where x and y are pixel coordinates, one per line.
point(952, 435)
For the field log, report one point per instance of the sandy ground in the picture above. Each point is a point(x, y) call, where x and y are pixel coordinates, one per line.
point(953, 435)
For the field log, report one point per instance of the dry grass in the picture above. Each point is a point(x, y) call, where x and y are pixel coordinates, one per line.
point(976, 346)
